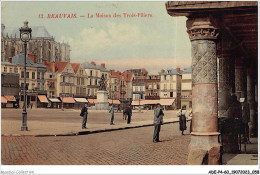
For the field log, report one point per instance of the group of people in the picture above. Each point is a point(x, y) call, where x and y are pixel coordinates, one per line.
point(84, 114)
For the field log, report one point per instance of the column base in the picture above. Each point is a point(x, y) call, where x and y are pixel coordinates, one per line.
point(204, 150)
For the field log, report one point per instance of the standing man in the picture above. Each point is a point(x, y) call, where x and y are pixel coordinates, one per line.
point(84, 114)
point(129, 113)
point(111, 111)
point(245, 119)
point(158, 121)
point(235, 111)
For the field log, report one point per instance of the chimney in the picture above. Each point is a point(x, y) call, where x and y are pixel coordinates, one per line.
point(112, 71)
point(162, 71)
point(93, 63)
point(52, 65)
point(103, 65)
point(32, 56)
point(178, 69)
point(10, 59)
point(44, 62)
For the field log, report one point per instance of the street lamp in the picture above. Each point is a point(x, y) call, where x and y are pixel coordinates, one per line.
point(25, 36)
point(139, 103)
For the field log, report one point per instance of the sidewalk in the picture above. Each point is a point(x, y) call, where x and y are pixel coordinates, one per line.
point(250, 157)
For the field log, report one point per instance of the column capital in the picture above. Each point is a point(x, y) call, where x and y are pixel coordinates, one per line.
point(202, 28)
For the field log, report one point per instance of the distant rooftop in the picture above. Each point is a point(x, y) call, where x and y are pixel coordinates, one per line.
point(88, 65)
point(19, 60)
point(187, 70)
point(37, 32)
point(171, 72)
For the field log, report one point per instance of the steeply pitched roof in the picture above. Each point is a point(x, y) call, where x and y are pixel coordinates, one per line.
point(59, 66)
point(19, 60)
point(75, 66)
point(127, 76)
point(37, 32)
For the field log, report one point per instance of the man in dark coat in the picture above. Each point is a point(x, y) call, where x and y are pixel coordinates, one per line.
point(84, 114)
point(245, 119)
point(235, 112)
point(158, 121)
point(129, 114)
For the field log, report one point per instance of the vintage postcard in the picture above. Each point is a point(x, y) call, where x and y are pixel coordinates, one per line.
point(129, 83)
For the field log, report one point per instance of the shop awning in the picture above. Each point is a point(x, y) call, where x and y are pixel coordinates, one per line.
point(117, 102)
point(92, 101)
point(54, 100)
point(67, 100)
point(163, 102)
point(43, 99)
point(167, 102)
point(10, 98)
point(81, 100)
point(136, 102)
point(3, 99)
point(151, 102)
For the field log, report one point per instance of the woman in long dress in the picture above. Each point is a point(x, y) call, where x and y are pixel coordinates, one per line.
point(182, 114)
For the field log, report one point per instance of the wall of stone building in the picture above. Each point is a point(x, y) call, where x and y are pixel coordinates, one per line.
point(44, 48)
point(10, 84)
point(32, 82)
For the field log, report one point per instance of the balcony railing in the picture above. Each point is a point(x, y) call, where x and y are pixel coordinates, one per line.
point(152, 97)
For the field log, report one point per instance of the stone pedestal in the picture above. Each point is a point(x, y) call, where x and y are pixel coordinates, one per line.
point(204, 147)
point(102, 100)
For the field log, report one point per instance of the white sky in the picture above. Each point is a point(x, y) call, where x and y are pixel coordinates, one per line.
point(155, 43)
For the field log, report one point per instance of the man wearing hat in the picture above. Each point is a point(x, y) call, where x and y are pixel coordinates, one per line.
point(84, 114)
point(158, 121)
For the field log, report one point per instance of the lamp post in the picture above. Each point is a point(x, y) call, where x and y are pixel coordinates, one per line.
point(25, 36)
point(139, 103)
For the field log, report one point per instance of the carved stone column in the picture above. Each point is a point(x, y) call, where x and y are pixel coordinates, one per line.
point(240, 79)
point(251, 101)
point(204, 147)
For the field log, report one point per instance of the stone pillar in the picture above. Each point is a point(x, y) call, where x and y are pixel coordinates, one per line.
point(226, 84)
point(240, 79)
point(226, 87)
point(204, 147)
point(251, 101)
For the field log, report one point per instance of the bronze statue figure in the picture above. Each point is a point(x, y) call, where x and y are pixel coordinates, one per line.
point(102, 84)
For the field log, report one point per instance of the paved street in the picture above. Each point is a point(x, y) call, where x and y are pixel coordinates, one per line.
point(55, 121)
point(123, 147)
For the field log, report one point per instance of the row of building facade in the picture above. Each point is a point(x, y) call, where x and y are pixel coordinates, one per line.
point(62, 79)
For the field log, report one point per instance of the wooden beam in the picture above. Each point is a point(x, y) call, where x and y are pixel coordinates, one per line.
point(243, 24)
point(246, 34)
point(236, 40)
point(249, 41)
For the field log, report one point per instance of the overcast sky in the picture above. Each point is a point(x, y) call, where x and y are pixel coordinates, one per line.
point(155, 43)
